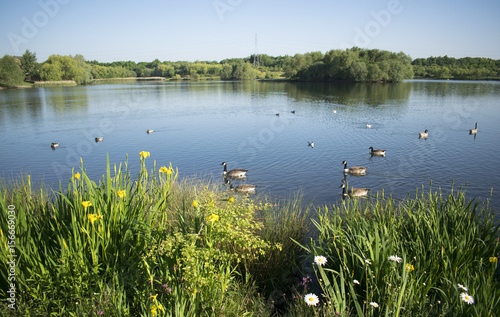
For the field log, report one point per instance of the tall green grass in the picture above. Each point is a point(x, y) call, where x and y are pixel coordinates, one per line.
point(146, 246)
point(439, 242)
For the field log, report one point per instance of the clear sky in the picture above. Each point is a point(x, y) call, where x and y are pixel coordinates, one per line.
point(208, 30)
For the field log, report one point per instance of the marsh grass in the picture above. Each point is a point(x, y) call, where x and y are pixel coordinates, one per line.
point(440, 241)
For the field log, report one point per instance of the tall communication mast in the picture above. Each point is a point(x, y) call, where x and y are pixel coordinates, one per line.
point(256, 55)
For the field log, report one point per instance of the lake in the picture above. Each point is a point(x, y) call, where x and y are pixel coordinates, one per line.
point(198, 125)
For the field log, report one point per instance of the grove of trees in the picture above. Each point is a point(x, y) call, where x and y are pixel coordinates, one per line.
point(349, 65)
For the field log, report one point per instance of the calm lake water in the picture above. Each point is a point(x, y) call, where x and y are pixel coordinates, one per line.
point(198, 125)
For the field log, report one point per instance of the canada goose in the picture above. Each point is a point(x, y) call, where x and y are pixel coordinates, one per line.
point(473, 131)
point(54, 145)
point(354, 192)
point(277, 115)
point(357, 170)
point(368, 126)
point(234, 173)
point(149, 131)
point(376, 152)
point(99, 139)
point(311, 144)
point(424, 134)
point(243, 188)
point(293, 111)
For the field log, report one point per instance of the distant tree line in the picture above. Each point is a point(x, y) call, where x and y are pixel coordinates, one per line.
point(352, 65)
point(474, 68)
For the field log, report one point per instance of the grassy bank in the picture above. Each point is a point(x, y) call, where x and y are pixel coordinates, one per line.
point(154, 245)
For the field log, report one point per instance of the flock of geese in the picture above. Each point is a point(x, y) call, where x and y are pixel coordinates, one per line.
point(238, 173)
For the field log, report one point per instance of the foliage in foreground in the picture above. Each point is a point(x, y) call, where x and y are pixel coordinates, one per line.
point(157, 246)
point(427, 256)
point(142, 248)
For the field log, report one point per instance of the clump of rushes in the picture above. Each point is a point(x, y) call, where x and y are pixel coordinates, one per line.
point(407, 259)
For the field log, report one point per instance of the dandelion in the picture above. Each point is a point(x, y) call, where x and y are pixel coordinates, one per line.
point(213, 218)
point(195, 203)
point(356, 282)
point(467, 298)
point(374, 304)
point(86, 204)
point(77, 175)
point(463, 287)
point(409, 267)
point(395, 258)
point(94, 217)
point(493, 259)
point(121, 193)
point(320, 260)
point(368, 262)
point(144, 154)
point(311, 299)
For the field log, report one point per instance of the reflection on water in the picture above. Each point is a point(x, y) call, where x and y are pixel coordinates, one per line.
point(197, 125)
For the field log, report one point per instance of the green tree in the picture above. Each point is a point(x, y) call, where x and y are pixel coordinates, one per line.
point(30, 66)
point(11, 73)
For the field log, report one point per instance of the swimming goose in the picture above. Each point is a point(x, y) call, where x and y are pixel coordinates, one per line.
point(354, 192)
point(376, 152)
point(277, 115)
point(243, 188)
point(54, 145)
point(234, 173)
point(424, 134)
point(311, 144)
point(473, 131)
point(293, 111)
point(357, 170)
point(99, 139)
point(149, 131)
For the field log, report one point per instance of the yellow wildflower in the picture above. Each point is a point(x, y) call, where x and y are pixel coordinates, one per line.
point(94, 217)
point(77, 175)
point(86, 204)
point(121, 193)
point(144, 154)
point(493, 259)
point(195, 204)
point(167, 171)
point(213, 218)
point(154, 296)
point(231, 199)
point(409, 267)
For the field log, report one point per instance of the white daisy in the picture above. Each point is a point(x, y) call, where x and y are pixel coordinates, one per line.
point(467, 298)
point(395, 258)
point(463, 287)
point(356, 282)
point(320, 260)
point(374, 304)
point(311, 299)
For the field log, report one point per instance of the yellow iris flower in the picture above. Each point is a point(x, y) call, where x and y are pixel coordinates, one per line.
point(121, 193)
point(86, 204)
point(195, 204)
point(144, 154)
point(77, 175)
point(213, 218)
point(409, 267)
point(94, 217)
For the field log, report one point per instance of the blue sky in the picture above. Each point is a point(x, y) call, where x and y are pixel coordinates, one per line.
point(217, 29)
